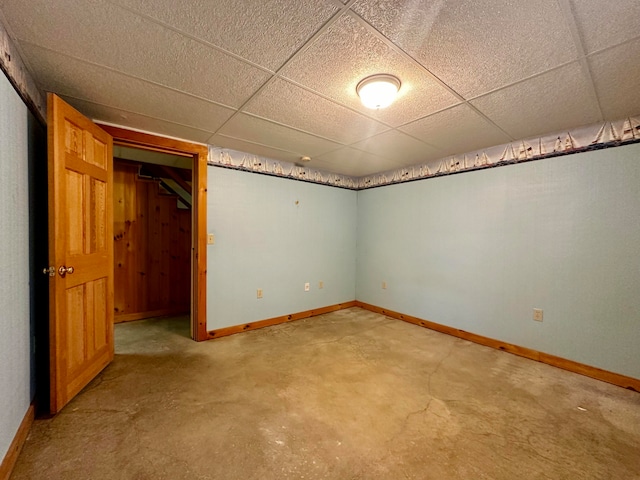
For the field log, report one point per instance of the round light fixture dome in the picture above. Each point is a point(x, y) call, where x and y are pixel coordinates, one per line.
point(378, 91)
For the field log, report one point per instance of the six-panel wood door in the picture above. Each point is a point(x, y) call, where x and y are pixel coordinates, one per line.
point(81, 239)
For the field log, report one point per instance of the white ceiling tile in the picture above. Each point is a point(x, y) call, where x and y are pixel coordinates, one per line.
point(604, 23)
point(67, 76)
point(100, 113)
point(616, 75)
point(253, 149)
point(108, 35)
point(456, 130)
point(476, 46)
point(266, 32)
point(552, 102)
point(270, 134)
point(291, 105)
point(348, 52)
point(177, 68)
point(354, 162)
point(399, 148)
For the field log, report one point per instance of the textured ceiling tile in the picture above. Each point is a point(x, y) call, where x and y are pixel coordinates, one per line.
point(348, 52)
point(476, 46)
point(354, 162)
point(288, 104)
point(100, 113)
point(251, 148)
point(552, 102)
point(399, 148)
point(67, 76)
point(603, 23)
point(617, 80)
point(108, 35)
point(266, 32)
point(270, 134)
point(457, 130)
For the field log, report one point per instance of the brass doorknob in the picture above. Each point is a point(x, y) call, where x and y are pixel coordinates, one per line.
point(64, 270)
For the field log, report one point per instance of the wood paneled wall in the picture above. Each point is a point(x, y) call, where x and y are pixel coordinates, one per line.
point(152, 248)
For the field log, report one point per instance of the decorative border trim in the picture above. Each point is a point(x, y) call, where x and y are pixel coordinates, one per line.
point(624, 381)
point(223, 332)
point(226, 158)
point(11, 457)
point(583, 139)
point(13, 66)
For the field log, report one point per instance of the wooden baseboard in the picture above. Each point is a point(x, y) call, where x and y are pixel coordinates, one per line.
point(570, 365)
point(130, 317)
point(222, 332)
point(10, 459)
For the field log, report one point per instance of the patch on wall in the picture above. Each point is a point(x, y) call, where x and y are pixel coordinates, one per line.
point(12, 65)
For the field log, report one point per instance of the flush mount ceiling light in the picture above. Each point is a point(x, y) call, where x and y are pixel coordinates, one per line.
point(378, 91)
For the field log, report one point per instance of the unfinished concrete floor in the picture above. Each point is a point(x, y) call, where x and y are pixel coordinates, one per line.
point(347, 395)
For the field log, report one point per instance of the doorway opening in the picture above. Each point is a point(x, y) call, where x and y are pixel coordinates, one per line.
point(136, 146)
point(152, 209)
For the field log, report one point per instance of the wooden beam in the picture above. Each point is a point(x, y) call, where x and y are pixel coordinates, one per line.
point(624, 381)
point(222, 332)
point(173, 175)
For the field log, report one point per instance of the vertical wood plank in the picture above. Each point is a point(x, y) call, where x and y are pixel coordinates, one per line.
point(152, 248)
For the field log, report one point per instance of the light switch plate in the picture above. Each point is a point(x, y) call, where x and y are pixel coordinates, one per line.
point(211, 239)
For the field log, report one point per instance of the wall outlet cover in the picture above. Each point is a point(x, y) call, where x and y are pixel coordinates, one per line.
point(537, 314)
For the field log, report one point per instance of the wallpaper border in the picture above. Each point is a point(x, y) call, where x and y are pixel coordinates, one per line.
point(582, 139)
point(13, 66)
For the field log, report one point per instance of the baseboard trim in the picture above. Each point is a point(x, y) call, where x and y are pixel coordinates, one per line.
point(223, 332)
point(10, 459)
point(624, 381)
point(130, 317)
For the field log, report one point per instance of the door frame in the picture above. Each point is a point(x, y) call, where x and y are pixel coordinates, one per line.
point(200, 154)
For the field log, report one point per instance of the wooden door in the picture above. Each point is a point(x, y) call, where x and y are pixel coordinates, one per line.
point(80, 251)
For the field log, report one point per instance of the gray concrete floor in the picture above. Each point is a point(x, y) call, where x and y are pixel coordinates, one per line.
point(347, 395)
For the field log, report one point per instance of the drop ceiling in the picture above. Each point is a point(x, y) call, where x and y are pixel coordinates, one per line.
point(277, 78)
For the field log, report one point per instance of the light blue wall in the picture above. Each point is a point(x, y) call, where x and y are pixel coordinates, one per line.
point(276, 234)
point(15, 343)
point(478, 251)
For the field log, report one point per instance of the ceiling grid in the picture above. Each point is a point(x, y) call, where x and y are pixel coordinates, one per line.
point(277, 78)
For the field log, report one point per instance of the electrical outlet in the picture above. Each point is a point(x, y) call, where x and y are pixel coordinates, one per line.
point(211, 239)
point(307, 287)
point(259, 293)
point(320, 285)
point(537, 314)
point(384, 285)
